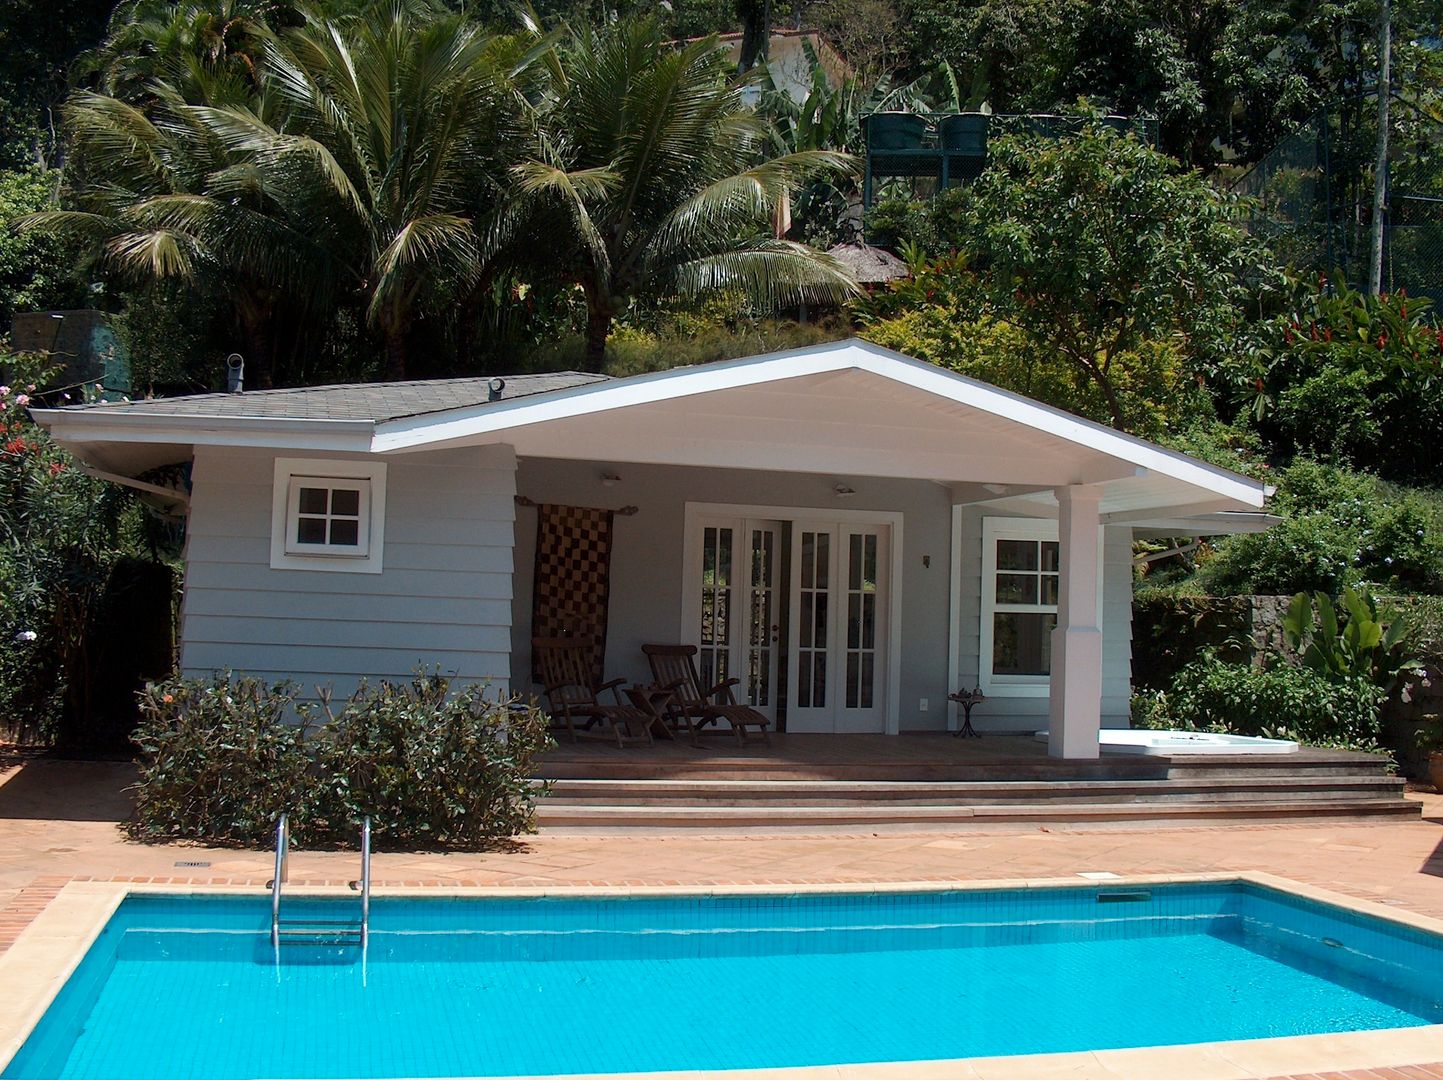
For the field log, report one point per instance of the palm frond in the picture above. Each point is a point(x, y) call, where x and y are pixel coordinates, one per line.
point(771, 273)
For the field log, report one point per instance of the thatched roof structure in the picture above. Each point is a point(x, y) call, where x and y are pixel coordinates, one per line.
point(869, 265)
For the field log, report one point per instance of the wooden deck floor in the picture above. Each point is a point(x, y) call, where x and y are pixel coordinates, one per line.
point(920, 757)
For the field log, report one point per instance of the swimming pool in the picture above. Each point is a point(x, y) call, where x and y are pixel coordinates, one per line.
point(188, 986)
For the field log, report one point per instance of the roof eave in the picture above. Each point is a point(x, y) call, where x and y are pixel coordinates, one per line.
point(72, 427)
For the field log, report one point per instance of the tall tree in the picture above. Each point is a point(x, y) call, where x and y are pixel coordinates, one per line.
point(648, 179)
point(156, 195)
point(1095, 245)
point(397, 130)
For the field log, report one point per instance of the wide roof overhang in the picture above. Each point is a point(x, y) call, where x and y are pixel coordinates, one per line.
point(847, 409)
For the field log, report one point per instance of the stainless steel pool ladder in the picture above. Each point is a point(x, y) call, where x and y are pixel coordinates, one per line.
point(320, 931)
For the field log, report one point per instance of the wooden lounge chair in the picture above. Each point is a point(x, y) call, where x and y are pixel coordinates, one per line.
point(673, 667)
point(573, 699)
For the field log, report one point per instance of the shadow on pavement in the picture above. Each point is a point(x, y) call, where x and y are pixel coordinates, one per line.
point(48, 788)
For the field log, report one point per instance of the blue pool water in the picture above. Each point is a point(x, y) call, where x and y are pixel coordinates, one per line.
point(189, 987)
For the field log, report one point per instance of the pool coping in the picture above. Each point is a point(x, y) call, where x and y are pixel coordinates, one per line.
point(47, 952)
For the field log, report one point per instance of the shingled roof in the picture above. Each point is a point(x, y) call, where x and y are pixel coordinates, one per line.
point(378, 402)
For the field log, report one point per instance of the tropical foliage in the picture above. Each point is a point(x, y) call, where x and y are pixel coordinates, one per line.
point(649, 179)
point(63, 535)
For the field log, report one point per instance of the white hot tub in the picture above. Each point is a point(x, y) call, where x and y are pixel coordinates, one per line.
point(1124, 741)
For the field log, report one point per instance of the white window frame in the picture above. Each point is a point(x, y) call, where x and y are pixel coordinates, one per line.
point(993, 530)
point(291, 474)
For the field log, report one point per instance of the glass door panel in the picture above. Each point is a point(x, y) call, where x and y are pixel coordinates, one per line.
point(762, 616)
point(715, 641)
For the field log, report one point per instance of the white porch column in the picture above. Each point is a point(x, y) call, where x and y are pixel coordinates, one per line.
point(1075, 701)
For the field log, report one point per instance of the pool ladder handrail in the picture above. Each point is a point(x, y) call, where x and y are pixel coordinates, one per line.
point(320, 927)
point(282, 873)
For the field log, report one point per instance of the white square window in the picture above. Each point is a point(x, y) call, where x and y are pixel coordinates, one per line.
point(327, 515)
point(1021, 583)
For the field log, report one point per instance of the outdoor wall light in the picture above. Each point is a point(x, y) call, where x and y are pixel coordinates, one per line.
point(610, 479)
point(842, 491)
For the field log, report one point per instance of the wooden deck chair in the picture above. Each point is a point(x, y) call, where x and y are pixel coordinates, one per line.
point(565, 666)
point(673, 667)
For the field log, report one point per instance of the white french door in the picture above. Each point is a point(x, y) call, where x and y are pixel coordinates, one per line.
point(838, 628)
point(739, 632)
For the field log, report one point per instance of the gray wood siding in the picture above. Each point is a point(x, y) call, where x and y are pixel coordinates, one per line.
point(443, 597)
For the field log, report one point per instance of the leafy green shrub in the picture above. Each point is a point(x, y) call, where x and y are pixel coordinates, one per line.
point(1279, 702)
point(1340, 528)
point(1354, 378)
point(430, 766)
point(62, 532)
point(223, 758)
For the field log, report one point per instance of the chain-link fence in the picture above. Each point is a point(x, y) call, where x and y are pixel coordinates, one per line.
point(1313, 197)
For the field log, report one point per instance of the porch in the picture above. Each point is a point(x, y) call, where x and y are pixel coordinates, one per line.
point(808, 780)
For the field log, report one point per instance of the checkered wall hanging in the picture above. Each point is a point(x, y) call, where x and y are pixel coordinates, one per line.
point(573, 577)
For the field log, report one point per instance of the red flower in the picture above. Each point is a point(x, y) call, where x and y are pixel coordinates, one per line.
point(16, 446)
point(56, 468)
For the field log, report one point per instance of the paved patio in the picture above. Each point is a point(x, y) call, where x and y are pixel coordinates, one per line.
point(59, 822)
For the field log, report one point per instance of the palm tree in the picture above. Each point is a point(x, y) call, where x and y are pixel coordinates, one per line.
point(154, 195)
point(648, 179)
point(192, 46)
point(397, 127)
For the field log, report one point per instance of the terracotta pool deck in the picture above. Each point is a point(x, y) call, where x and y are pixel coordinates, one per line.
point(59, 822)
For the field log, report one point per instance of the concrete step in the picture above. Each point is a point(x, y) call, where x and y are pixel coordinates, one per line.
point(601, 815)
point(742, 793)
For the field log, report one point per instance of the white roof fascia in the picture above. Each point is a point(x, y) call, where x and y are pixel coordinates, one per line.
point(412, 433)
point(1225, 523)
point(293, 433)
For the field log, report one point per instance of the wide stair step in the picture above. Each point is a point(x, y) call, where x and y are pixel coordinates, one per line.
point(1215, 790)
point(834, 793)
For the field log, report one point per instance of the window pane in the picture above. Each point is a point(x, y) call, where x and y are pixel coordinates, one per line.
point(804, 681)
point(854, 561)
point(809, 559)
point(854, 621)
point(819, 680)
point(824, 541)
point(1017, 555)
point(804, 633)
point(1017, 588)
point(311, 530)
point(345, 533)
point(1022, 642)
point(869, 621)
point(853, 680)
point(346, 502)
point(869, 572)
point(722, 615)
point(313, 500)
point(1049, 589)
point(1050, 555)
point(724, 558)
point(869, 663)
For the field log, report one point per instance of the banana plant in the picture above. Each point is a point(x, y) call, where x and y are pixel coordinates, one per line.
point(1354, 644)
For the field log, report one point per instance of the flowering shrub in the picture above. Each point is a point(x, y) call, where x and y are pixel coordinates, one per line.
point(85, 600)
point(223, 758)
point(1355, 378)
point(59, 534)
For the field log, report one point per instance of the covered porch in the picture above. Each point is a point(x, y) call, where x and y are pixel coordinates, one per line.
point(856, 536)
